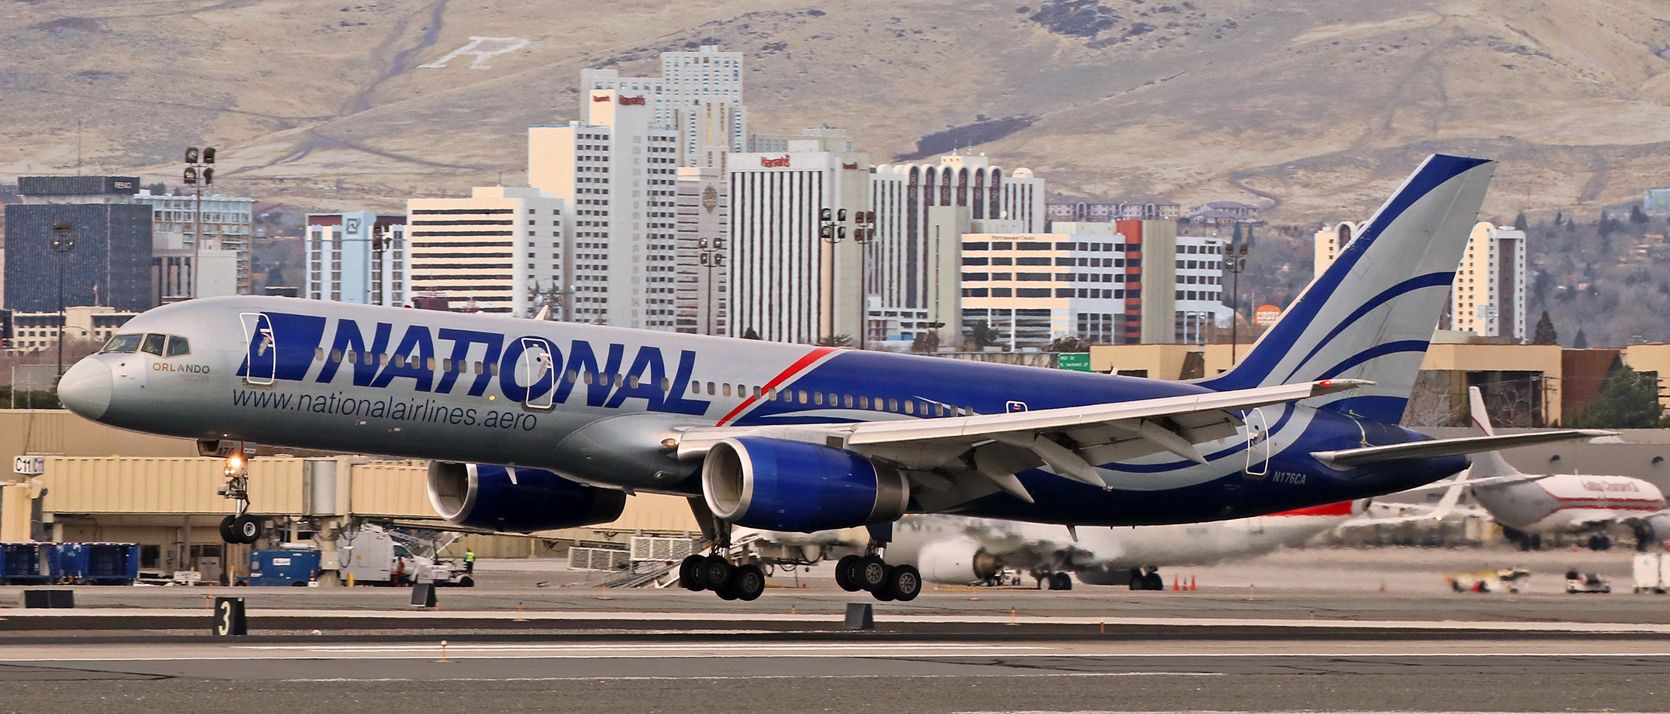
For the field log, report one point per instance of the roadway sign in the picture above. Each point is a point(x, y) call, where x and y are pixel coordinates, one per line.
point(1075, 361)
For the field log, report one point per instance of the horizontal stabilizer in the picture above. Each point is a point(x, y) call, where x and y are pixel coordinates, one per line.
point(1346, 458)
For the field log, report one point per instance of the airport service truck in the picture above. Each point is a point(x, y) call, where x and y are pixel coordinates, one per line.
point(374, 555)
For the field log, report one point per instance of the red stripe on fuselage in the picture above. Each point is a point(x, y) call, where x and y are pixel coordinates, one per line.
point(783, 376)
point(1343, 508)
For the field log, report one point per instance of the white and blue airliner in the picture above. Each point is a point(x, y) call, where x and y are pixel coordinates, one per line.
point(534, 425)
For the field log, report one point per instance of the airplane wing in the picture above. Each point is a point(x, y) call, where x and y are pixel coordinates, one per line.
point(1345, 458)
point(1068, 440)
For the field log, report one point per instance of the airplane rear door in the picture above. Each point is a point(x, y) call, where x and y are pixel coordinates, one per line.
point(261, 357)
point(1258, 442)
point(537, 372)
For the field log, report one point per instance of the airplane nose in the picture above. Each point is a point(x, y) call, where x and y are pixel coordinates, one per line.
point(85, 388)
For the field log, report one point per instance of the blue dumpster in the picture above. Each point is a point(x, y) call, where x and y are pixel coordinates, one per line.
point(111, 563)
point(68, 562)
point(25, 563)
point(283, 567)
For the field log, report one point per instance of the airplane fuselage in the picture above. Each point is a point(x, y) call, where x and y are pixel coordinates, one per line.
point(1569, 502)
point(595, 403)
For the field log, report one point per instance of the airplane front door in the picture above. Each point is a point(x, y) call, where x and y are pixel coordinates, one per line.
point(261, 356)
point(537, 373)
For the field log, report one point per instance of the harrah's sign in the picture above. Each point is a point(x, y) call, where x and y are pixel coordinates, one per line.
point(781, 162)
point(624, 101)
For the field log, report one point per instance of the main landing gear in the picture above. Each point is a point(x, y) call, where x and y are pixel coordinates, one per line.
point(241, 528)
point(1147, 579)
point(871, 573)
point(715, 572)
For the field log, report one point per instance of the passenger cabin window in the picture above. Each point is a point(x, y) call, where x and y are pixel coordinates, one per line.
point(177, 346)
point(123, 343)
point(153, 344)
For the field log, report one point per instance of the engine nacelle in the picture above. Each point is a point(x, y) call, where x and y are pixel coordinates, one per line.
point(782, 485)
point(957, 561)
point(506, 498)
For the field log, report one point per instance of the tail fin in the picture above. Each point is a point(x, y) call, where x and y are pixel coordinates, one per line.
point(1486, 463)
point(1371, 314)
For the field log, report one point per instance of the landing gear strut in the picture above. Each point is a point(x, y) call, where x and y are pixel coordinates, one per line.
point(872, 573)
point(241, 528)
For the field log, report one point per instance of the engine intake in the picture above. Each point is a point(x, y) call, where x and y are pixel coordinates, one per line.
point(519, 499)
point(956, 561)
point(783, 485)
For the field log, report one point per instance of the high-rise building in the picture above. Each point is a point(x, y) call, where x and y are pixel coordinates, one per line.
point(703, 220)
point(1200, 298)
point(111, 261)
point(923, 209)
point(786, 283)
point(1095, 211)
point(500, 250)
point(227, 223)
point(357, 257)
point(1084, 280)
point(1487, 297)
point(1489, 294)
point(699, 95)
point(618, 175)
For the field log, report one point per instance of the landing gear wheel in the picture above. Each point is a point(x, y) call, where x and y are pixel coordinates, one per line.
point(689, 572)
point(1061, 581)
point(1153, 581)
point(1600, 542)
point(226, 533)
point(872, 573)
point(748, 582)
point(727, 593)
point(846, 573)
point(885, 592)
point(904, 583)
point(1138, 580)
point(716, 574)
point(245, 529)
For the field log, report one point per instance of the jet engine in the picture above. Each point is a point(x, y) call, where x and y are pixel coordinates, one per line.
point(782, 485)
point(510, 498)
point(957, 561)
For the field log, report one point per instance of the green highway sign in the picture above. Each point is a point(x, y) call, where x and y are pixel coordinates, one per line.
point(1075, 361)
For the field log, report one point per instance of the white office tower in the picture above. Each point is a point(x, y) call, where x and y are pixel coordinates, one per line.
point(617, 173)
point(922, 210)
point(1331, 239)
point(786, 283)
point(1200, 298)
point(357, 257)
point(703, 264)
point(699, 94)
point(1489, 295)
point(227, 224)
point(500, 249)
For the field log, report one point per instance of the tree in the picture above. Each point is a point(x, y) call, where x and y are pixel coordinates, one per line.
point(1580, 342)
point(1545, 334)
point(1068, 344)
point(981, 335)
point(750, 334)
point(925, 342)
point(1628, 401)
point(836, 341)
point(1519, 222)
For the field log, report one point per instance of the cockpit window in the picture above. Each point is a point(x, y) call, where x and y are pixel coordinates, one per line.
point(123, 343)
point(153, 344)
point(177, 346)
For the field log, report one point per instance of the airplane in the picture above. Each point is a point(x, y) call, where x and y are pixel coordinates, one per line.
point(1529, 506)
point(959, 550)
point(542, 425)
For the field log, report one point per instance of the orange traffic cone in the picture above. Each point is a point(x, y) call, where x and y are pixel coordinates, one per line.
point(1175, 586)
point(1191, 583)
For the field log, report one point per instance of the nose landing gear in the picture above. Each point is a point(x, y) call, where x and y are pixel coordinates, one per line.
point(240, 528)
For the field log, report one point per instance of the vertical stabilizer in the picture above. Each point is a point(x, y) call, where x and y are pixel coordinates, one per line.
point(1488, 463)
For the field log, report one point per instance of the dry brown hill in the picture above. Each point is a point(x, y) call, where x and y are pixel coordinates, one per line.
point(1316, 106)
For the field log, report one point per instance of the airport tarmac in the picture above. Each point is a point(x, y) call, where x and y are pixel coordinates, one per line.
point(578, 648)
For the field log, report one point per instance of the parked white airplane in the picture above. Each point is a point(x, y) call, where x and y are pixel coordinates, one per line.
point(959, 550)
point(1530, 505)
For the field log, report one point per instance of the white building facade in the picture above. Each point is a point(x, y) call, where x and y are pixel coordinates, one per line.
point(357, 257)
point(786, 283)
point(499, 250)
point(703, 260)
point(1489, 295)
point(618, 173)
point(227, 223)
point(698, 95)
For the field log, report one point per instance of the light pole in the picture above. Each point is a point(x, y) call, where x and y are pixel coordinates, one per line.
point(831, 230)
point(712, 256)
point(1235, 261)
point(199, 172)
point(862, 234)
point(63, 243)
